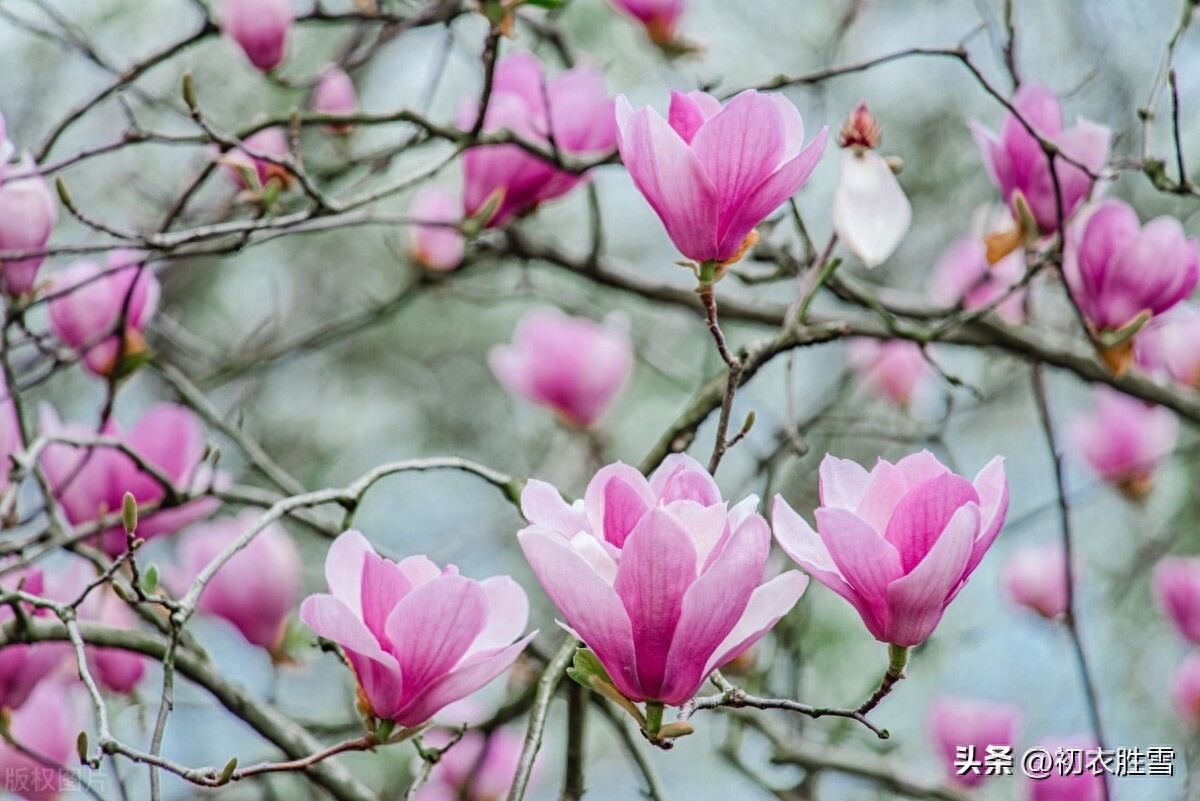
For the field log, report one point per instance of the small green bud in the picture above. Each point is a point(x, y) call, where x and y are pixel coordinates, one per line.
point(129, 513)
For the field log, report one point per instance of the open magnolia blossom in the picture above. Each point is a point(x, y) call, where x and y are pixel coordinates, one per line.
point(1122, 274)
point(955, 723)
point(1177, 590)
point(570, 365)
point(91, 482)
point(898, 542)
point(1020, 167)
point(1123, 440)
point(658, 577)
point(89, 304)
point(711, 172)
point(1036, 577)
point(418, 637)
point(573, 109)
point(28, 213)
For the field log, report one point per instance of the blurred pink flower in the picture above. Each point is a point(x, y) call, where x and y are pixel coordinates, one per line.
point(1017, 164)
point(418, 637)
point(659, 17)
point(88, 305)
point(1036, 578)
point(23, 666)
point(898, 542)
point(432, 245)
point(1124, 440)
point(1185, 690)
point(256, 589)
point(956, 723)
point(238, 163)
point(1117, 269)
point(893, 368)
point(657, 577)
point(335, 94)
point(28, 212)
point(90, 482)
point(480, 767)
point(1063, 783)
point(1169, 345)
point(47, 725)
point(964, 276)
point(712, 174)
point(568, 364)
point(1177, 591)
point(573, 109)
point(260, 28)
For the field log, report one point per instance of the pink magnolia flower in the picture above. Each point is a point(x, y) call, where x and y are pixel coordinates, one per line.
point(335, 94)
point(28, 212)
point(1169, 345)
point(1185, 690)
point(418, 637)
point(480, 767)
point(659, 578)
point(260, 28)
point(23, 666)
point(1177, 591)
point(871, 213)
point(712, 174)
point(568, 364)
point(91, 482)
point(114, 669)
point(255, 600)
point(1017, 164)
point(963, 276)
point(573, 108)
point(434, 242)
point(1036, 578)
point(956, 723)
point(47, 726)
point(898, 542)
point(1117, 270)
point(1085, 785)
point(89, 304)
point(659, 17)
point(894, 368)
point(238, 163)
point(1123, 440)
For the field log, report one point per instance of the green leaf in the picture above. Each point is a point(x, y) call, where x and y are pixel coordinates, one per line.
point(551, 4)
point(150, 579)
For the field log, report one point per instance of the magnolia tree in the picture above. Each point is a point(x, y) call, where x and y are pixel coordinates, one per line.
point(290, 290)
